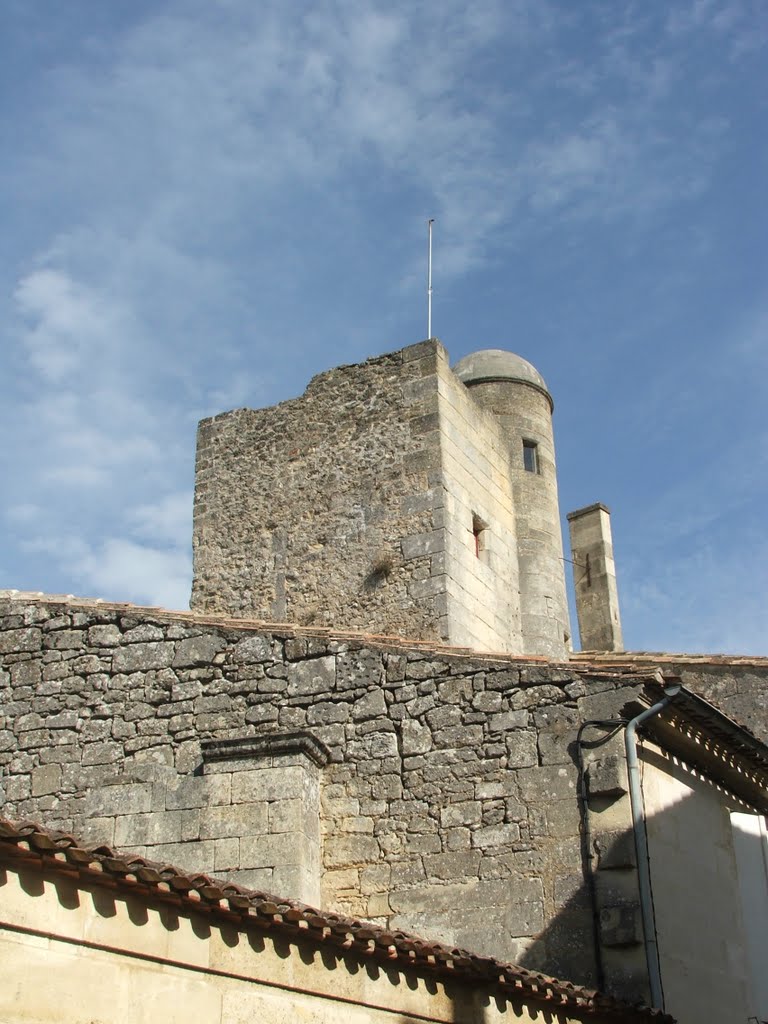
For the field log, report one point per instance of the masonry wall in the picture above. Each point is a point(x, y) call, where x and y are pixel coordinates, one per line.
point(738, 686)
point(739, 690)
point(448, 799)
point(381, 499)
point(74, 954)
point(525, 413)
point(482, 572)
point(326, 509)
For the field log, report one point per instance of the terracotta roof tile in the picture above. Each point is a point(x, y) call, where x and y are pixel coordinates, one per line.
point(31, 844)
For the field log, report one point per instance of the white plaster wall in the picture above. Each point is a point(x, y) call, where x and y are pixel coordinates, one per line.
point(700, 931)
point(73, 956)
point(483, 593)
point(751, 845)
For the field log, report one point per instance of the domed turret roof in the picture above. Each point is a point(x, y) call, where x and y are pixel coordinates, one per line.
point(490, 364)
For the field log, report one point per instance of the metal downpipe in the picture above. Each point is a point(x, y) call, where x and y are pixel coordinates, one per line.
point(641, 843)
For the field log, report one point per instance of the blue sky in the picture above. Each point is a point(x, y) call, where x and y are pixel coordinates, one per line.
point(204, 202)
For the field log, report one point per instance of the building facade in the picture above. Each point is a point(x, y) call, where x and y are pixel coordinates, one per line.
point(373, 707)
point(397, 496)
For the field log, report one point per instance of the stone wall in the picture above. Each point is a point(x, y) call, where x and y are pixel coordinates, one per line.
point(481, 544)
point(738, 690)
point(448, 799)
point(386, 498)
point(325, 509)
point(74, 950)
point(421, 787)
point(525, 414)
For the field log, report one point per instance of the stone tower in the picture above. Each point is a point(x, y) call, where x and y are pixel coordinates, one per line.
point(515, 392)
point(395, 496)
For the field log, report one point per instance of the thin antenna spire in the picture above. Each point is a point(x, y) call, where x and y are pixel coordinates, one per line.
point(429, 278)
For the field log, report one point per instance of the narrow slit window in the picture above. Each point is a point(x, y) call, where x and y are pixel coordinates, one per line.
point(531, 456)
point(479, 537)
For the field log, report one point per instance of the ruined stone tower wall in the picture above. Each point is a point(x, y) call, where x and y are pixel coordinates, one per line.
point(380, 499)
point(325, 509)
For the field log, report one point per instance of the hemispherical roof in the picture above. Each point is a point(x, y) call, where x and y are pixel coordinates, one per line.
point(491, 364)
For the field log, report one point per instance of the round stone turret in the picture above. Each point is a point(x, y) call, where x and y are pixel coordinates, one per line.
point(516, 393)
point(491, 365)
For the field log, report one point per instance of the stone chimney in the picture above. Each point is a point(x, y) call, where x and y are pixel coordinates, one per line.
point(594, 574)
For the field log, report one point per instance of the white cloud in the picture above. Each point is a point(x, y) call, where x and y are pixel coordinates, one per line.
point(26, 512)
point(120, 569)
point(169, 519)
point(69, 323)
point(137, 572)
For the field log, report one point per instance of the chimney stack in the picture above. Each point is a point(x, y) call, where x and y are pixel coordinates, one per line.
point(594, 574)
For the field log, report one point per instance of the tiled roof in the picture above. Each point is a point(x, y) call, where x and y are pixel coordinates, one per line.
point(31, 845)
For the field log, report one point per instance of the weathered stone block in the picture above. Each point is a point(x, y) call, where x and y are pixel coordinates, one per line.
point(621, 926)
point(64, 720)
point(491, 836)
point(340, 851)
point(144, 632)
point(252, 649)
point(316, 675)
point(269, 784)
point(293, 816)
point(142, 657)
point(615, 849)
point(607, 776)
point(466, 813)
point(371, 705)
point(104, 636)
point(102, 753)
point(17, 640)
point(387, 787)
point(223, 822)
point(194, 856)
point(550, 782)
point(148, 829)
point(522, 748)
point(198, 791)
point(259, 851)
point(226, 855)
point(121, 799)
point(507, 720)
point(453, 866)
point(65, 640)
point(25, 673)
point(326, 712)
point(487, 701)
point(198, 650)
point(46, 779)
point(534, 696)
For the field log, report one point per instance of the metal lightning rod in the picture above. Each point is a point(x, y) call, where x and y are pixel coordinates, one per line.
point(429, 278)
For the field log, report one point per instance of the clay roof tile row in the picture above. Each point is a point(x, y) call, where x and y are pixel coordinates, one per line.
point(37, 846)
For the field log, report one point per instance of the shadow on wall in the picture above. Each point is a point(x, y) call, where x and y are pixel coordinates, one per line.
point(103, 950)
point(708, 861)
